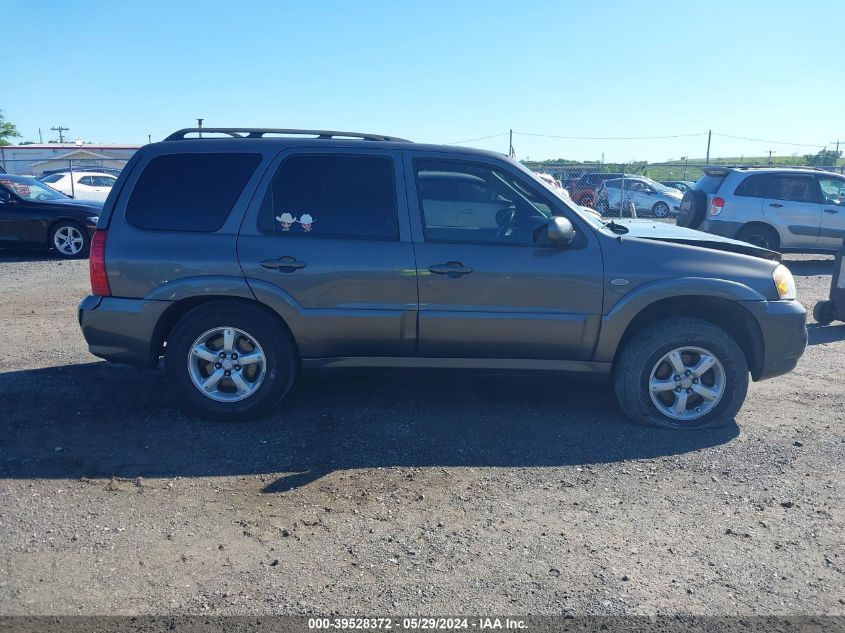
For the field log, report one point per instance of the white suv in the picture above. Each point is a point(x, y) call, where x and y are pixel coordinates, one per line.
point(779, 208)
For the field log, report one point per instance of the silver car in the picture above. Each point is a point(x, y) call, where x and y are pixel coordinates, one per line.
point(650, 198)
point(779, 208)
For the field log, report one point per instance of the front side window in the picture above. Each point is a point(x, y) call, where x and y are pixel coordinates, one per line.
point(333, 196)
point(471, 202)
point(30, 189)
point(102, 181)
point(86, 180)
point(794, 188)
point(833, 190)
point(189, 192)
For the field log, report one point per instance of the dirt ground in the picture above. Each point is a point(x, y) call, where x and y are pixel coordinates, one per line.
point(406, 494)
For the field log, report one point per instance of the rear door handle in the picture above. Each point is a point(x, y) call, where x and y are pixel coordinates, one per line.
point(831, 211)
point(775, 205)
point(451, 269)
point(285, 264)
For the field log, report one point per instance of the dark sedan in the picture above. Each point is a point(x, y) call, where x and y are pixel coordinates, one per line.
point(32, 215)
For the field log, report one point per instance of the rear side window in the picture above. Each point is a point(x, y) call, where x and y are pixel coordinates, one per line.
point(710, 183)
point(753, 187)
point(189, 192)
point(334, 196)
point(794, 188)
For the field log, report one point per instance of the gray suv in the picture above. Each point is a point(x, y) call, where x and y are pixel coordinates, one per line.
point(245, 259)
point(779, 208)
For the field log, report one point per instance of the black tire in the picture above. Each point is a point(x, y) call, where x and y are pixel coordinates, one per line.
point(65, 225)
point(760, 235)
point(640, 355)
point(661, 210)
point(281, 359)
point(693, 208)
point(824, 312)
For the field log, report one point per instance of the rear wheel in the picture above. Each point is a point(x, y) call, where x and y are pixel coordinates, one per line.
point(681, 373)
point(230, 361)
point(824, 312)
point(69, 240)
point(760, 235)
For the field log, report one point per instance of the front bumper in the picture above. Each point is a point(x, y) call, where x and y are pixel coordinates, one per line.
point(122, 330)
point(783, 325)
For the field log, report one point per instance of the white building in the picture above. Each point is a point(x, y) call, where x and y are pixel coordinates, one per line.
point(33, 160)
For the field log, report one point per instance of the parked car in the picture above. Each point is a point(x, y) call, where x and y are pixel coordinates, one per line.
point(269, 255)
point(650, 198)
point(583, 190)
point(32, 215)
point(97, 170)
point(82, 185)
point(779, 208)
point(681, 185)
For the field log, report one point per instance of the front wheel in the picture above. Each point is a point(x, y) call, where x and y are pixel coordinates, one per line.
point(69, 240)
point(681, 373)
point(660, 210)
point(230, 360)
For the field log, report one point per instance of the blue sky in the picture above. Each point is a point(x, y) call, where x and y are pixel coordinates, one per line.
point(437, 71)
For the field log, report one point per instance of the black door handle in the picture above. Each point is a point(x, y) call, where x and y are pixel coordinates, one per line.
point(831, 211)
point(452, 269)
point(285, 264)
point(775, 205)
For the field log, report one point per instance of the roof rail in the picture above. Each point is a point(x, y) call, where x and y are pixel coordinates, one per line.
point(247, 132)
point(761, 166)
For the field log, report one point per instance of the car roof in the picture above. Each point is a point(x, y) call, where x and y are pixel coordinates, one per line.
point(718, 170)
point(17, 178)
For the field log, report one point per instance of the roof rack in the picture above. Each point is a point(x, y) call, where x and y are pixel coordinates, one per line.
point(246, 132)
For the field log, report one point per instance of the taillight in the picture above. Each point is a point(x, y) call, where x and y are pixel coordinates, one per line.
point(97, 265)
point(717, 205)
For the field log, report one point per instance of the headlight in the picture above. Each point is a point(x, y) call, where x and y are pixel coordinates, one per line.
point(784, 282)
point(94, 219)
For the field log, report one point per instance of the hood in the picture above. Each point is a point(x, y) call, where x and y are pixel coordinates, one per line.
point(663, 232)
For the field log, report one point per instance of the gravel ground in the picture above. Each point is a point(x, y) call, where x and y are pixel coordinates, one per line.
point(405, 494)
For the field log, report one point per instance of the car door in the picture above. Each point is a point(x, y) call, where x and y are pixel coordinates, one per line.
point(20, 224)
point(792, 205)
point(832, 230)
point(502, 292)
point(327, 234)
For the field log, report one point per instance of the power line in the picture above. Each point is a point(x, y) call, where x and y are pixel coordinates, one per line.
point(611, 138)
point(763, 140)
point(481, 138)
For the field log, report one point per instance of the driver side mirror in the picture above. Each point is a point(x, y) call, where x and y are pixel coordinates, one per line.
point(561, 231)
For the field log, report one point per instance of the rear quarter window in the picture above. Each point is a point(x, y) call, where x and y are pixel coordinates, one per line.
point(710, 183)
point(189, 192)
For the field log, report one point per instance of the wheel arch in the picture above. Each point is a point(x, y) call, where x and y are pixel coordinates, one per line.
point(174, 313)
point(766, 225)
point(63, 220)
point(727, 314)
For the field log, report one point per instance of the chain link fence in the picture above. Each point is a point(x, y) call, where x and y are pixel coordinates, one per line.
point(82, 179)
point(638, 189)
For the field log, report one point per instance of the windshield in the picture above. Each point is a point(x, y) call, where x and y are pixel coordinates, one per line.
point(659, 187)
point(590, 218)
point(30, 188)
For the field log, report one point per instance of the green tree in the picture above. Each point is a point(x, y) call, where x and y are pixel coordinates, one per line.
point(7, 130)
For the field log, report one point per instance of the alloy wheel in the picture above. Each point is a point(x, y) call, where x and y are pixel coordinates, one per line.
point(68, 240)
point(687, 383)
point(226, 364)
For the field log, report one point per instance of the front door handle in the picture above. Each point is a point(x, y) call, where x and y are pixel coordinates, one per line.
point(285, 264)
point(775, 205)
point(451, 269)
point(831, 211)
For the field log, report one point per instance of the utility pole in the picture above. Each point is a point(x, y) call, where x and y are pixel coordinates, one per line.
point(836, 156)
point(60, 130)
point(40, 138)
point(770, 157)
point(199, 125)
point(149, 138)
point(510, 145)
point(707, 160)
